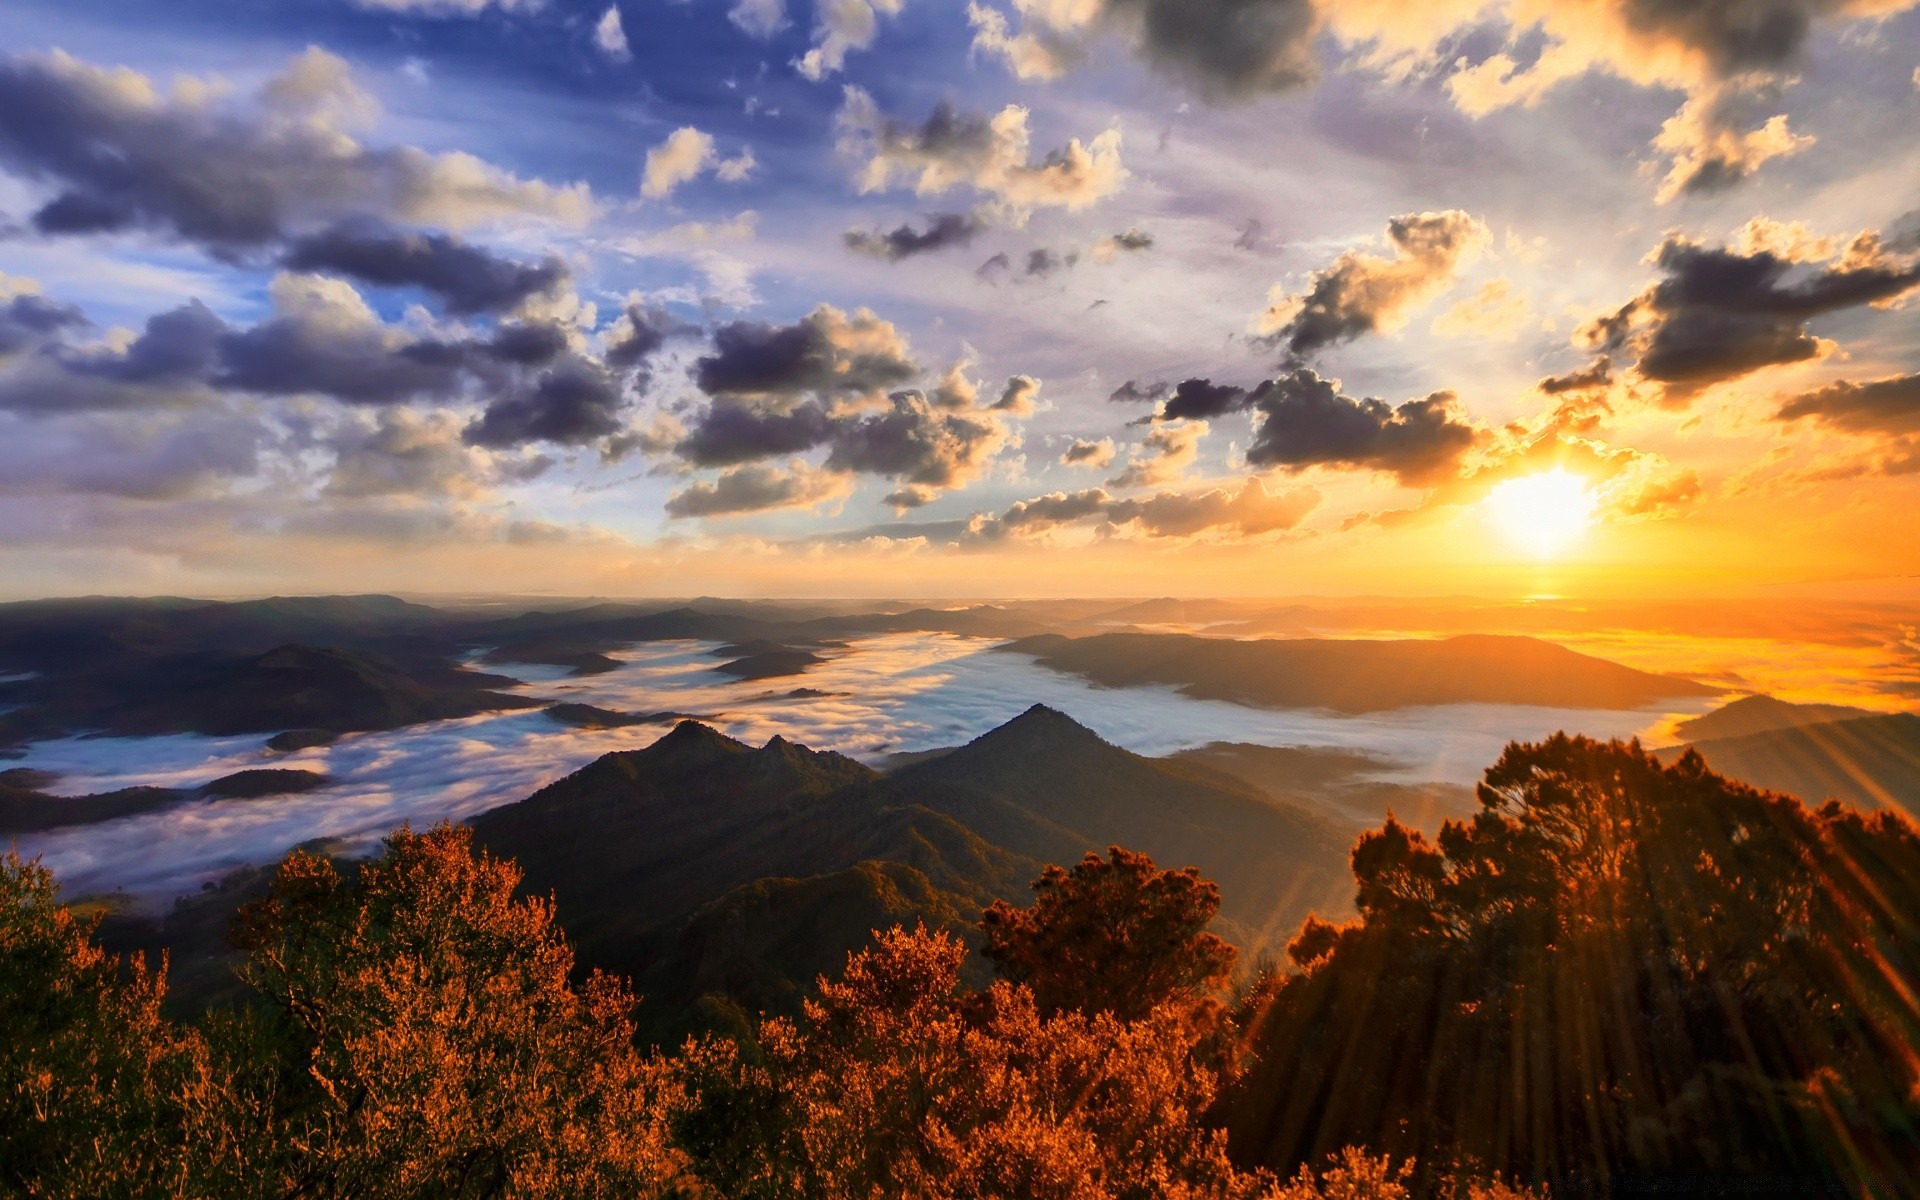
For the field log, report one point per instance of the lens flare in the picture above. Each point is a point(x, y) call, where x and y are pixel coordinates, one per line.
point(1542, 514)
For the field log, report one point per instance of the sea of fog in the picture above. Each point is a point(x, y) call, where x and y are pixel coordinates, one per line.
point(886, 695)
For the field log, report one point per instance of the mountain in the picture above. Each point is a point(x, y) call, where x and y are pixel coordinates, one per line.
point(1759, 714)
point(647, 852)
point(1048, 788)
point(723, 877)
point(1342, 785)
point(1358, 676)
point(26, 807)
point(1871, 762)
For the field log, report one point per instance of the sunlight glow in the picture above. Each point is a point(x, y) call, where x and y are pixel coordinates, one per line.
point(1542, 514)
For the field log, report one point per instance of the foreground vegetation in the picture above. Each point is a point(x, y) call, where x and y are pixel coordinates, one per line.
point(1618, 976)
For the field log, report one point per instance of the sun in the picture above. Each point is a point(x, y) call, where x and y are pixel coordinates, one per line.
point(1543, 514)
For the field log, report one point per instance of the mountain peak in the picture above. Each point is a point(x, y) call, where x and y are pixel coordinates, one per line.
point(691, 744)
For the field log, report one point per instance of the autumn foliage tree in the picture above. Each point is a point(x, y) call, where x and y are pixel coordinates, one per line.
point(895, 1082)
point(1112, 935)
point(93, 1080)
point(419, 1036)
point(1617, 975)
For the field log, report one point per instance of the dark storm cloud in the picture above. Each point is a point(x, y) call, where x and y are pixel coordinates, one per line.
point(1307, 422)
point(467, 279)
point(905, 241)
point(826, 351)
point(1224, 49)
point(1042, 262)
point(641, 334)
point(1134, 392)
point(1203, 399)
point(1362, 292)
point(298, 354)
point(916, 443)
point(1881, 406)
point(1596, 374)
point(727, 434)
point(576, 402)
point(1132, 241)
point(124, 155)
point(1721, 313)
point(31, 320)
point(179, 346)
point(527, 343)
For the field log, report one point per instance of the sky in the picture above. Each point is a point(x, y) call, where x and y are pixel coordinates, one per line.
point(915, 297)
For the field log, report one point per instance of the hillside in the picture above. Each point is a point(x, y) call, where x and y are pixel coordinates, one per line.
point(1053, 790)
point(709, 868)
point(1758, 714)
point(1358, 676)
point(1871, 762)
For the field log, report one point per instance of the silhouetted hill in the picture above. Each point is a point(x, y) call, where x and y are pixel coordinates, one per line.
point(1358, 676)
point(1758, 714)
point(1871, 762)
point(588, 716)
point(1049, 788)
point(770, 664)
point(700, 864)
point(634, 844)
point(1336, 783)
point(290, 687)
point(26, 808)
point(261, 782)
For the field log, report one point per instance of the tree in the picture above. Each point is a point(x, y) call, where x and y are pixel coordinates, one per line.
point(420, 1038)
point(1113, 935)
point(897, 1083)
point(1617, 973)
point(91, 1075)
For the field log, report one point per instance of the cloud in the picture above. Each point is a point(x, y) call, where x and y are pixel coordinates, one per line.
point(1889, 406)
point(1163, 456)
point(988, 154)
point(754, 489)
point(1306, 421)
point(728, 433)
point(1083, 453)
point(640, 332)
point(468, 280)
point(827, 352)
point(1494, 313)
point(1134, 392)
point(610, 36)
point(577, 402)
point(232, 177)
point(1131, 241)
point(904, 241)
point(759, 18)
point(325, 340)
point(1364, 292)
point(29, 320)
point(1710, 153)
point(680, 159)
point(155, 456)
point(1720, 313)
point(1246, 512)
point(918, 444)
point(399, 452)
point(1018, 396)
point(841, 26)
point(1201, 399)
point(451, 8)
point(1225, 50)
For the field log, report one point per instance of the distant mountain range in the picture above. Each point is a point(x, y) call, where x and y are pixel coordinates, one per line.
point(1867, 760)
point(721, 875)
point(1355, 676)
